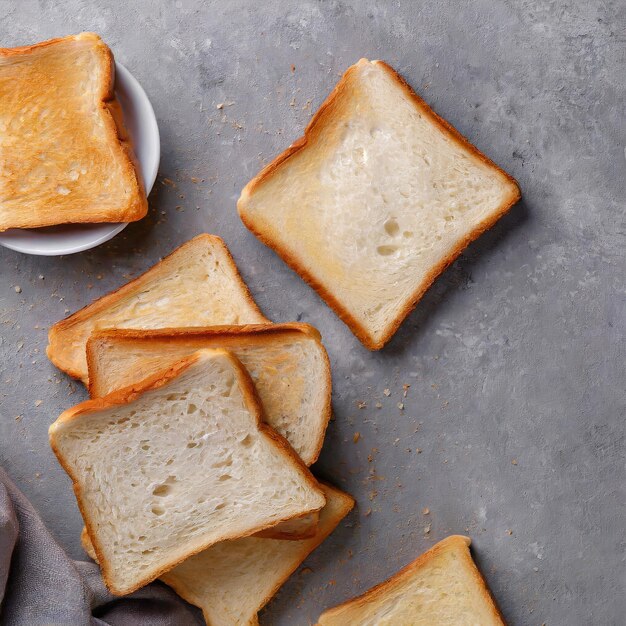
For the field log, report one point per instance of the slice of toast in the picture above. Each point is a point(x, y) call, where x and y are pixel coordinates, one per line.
point(170, 466)
point(233, 580)
point(196, 285)
point(287, 362)
point(442, 586)
point(66, 155)
point(375, 201)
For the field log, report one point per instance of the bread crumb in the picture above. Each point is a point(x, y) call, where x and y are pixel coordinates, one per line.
point(220, 106)
point(356, 437)
point(38, 402)
point(373, 494)
point(418, 450)
point(361, 404)
point(18, 289)
point(293, 67)
point(367, 513)
point(41, 276)
point(427, 529)
point(514, 462)
point(18, 418)
point(387, 392)
point(405, 390)
point(195, 180)
point(379, 405)
point(401, 406)
point(306, 570)
point(509, 532)
point(425, 511)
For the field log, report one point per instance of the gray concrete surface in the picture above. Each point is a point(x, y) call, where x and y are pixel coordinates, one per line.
point(515, 358)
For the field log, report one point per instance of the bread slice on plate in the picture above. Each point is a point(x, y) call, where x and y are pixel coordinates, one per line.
point(170, 466)
point(442, 586)
point(287, 362)
point(66, 155)
point(233, 580)
point(196, 285)
point(377, 198)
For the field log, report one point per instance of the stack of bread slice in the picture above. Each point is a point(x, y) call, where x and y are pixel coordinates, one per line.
point(195, 445)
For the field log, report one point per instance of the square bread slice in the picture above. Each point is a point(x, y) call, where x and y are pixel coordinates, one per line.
point(287, 362)
point(233, 580)
point(442, 586)
point(196, 285)
point(66, 155)
point(181, 461)
point(375, 201)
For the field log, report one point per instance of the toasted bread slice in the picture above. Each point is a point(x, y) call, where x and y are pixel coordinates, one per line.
point(442, 586)
point(233, 580)
point(66, 156)
point(376, 199)
point(196, 285)
point(170, 466)
point(287, 362)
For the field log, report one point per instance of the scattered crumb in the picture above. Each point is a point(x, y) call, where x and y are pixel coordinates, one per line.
point(220, 106)
point(387, 392)
point(306, 570)
point(401, 406)
point(514, 462)
point(368, 512)
point(396, 441)
point(18, 289)
point(38, 402)
point(373, 494)
point(169, 181)
point(41, 276)
point(379, 405)
point(18, 418)
point(509, 532)
point(293, 102)
point(361, 404)
point(425, 511)
point(293, 67)
point(427, 529)
point(195, 180)
point(418, 450)
point(37, 474)
point(405, 390)
point(356, 437)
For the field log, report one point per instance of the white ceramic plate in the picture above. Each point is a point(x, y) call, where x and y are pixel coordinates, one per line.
point(70, 238)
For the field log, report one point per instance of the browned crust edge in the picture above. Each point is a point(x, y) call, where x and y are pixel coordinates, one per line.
point(313, 129)
point(322, 534)
point(56, 331)
point(257, 330)
point(131, 393)
point(113, 119)
point(460, 542)
point(276, 533)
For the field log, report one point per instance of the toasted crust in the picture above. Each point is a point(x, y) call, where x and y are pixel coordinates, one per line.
point(111, 116)
point(308, 545)
point(227, 336)
point(60, 333)
point(131, 393)
point(313, 130)
point(454, 542)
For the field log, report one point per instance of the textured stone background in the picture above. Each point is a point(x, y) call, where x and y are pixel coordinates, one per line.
point(515, 358)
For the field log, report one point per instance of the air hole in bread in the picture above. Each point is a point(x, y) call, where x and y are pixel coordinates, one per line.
point(386, 250)
point(407, 234)
point(391, 227)
point(224, 477)
point(161, 491)
point(192, 408)
point(158, 510)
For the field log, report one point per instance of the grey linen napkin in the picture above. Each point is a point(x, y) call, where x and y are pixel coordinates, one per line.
point(40, 584)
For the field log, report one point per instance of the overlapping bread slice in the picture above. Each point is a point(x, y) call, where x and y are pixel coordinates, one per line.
point(287, 362)
point(233, 580)
point(376, 199)
point(196, 285)
point(442, 586)
point(176, 463)
point(66, 155)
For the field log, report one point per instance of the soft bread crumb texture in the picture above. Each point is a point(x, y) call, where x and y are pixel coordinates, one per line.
point(65, 155)
point(180, 467)
point(233, 580)
point(197, 285)
point(289, 368)
point(374, 202)
point(443, 586)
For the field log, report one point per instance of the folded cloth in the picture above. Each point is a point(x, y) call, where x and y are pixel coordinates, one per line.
point(40, 584)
